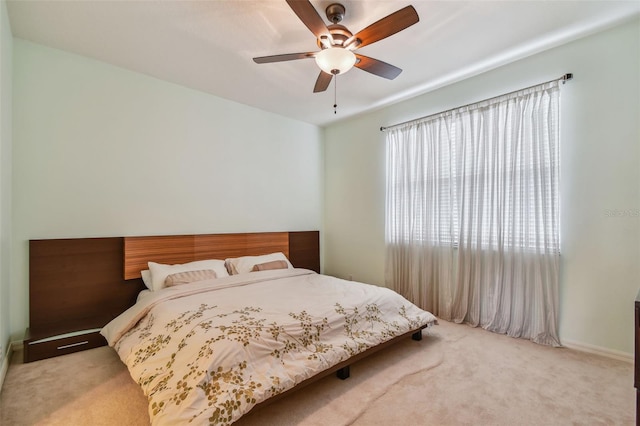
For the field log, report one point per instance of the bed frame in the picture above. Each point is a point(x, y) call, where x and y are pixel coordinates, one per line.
point(76, 286)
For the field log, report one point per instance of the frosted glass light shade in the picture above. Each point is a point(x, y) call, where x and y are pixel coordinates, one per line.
point(335, 58)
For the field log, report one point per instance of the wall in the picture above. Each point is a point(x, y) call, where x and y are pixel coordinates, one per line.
point(6, 52)
point(600, 180)
point(101, 151)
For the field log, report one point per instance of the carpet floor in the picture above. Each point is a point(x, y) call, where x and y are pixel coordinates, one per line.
point(457, 375)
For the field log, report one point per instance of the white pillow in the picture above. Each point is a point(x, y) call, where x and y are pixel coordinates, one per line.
point(146, 278)
point(160, 272)
point(242, 265)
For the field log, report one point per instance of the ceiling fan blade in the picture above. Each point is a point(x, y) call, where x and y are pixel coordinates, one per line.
point(385, 27)
point(377, 67)
point(322, 82)
point(310, 17)
point(285, 57)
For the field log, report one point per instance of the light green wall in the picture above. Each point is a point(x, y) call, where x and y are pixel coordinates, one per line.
point(6, 52)
point(600, 116)
point(101, 151)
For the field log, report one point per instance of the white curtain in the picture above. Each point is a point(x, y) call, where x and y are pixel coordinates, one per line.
point(472, 213)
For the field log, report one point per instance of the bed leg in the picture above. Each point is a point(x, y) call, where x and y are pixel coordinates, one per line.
point(417, 335)
point(343, 373)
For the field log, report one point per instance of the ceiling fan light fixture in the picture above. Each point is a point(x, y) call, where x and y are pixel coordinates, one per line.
point(335, 60)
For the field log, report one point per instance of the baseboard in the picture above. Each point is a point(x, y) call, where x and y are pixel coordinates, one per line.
point(598, 350)
point(5, 364)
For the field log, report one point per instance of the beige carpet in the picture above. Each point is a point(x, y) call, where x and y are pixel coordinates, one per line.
point(456, 375)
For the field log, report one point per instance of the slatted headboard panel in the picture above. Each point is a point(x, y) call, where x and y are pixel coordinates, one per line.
point(187, 248)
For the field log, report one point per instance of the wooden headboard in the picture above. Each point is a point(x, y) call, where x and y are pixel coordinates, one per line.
point(187, 248)
point(81, 284)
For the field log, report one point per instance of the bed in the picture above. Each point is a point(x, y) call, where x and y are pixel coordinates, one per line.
point(207, 346)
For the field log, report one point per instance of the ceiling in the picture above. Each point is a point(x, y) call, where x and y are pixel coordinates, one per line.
point(209, 45)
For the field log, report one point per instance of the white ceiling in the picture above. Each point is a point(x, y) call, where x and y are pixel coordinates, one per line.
point(209, 45)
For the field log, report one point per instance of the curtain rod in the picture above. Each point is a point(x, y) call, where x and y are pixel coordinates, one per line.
point(564, 79)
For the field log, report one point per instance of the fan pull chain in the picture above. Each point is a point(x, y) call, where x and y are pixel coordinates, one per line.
point(335, 94)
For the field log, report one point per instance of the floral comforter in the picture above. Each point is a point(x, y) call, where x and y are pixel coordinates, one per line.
point(207, 352)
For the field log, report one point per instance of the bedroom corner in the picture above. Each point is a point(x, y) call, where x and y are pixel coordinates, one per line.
point(6, 63)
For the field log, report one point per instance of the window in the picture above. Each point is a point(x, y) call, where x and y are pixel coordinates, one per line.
point(491, 168)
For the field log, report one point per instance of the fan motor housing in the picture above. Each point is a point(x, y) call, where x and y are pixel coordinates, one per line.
point(340, 34)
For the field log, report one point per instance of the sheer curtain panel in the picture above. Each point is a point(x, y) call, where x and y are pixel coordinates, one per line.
point(472, 213)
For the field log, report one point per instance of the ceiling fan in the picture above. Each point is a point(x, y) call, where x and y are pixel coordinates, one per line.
point(338, 44)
